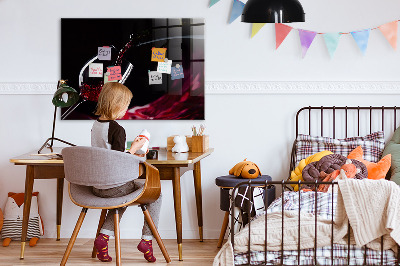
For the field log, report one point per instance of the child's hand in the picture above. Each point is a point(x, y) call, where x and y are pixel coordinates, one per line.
point(137, 144)
point(143, 155)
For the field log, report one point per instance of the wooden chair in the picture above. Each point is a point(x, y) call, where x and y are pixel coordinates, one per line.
point(85, 167)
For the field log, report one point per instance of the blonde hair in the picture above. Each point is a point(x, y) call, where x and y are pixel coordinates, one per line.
point(113, 97)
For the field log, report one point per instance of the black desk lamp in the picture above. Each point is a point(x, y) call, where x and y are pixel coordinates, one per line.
point(65, 96)
point(272, 11)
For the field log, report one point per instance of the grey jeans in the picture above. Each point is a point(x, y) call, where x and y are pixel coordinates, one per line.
point(154, 208)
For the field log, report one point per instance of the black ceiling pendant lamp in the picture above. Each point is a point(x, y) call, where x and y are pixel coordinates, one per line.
point(273, 11)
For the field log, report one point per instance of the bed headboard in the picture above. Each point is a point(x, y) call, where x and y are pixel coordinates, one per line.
point(344, 117)
point(344, 121)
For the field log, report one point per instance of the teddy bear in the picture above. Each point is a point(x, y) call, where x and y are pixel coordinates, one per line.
point(13, 215)
point(245, 169)
point(180, 144)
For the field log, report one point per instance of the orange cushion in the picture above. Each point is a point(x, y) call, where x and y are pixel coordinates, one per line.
point(375, 170)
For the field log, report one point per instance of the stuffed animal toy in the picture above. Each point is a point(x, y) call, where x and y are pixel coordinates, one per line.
point(13, 215)
point(245, 169)
point(180, 144)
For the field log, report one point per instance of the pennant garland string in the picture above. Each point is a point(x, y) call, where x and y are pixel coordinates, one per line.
point(389, 30)
point(361, 37)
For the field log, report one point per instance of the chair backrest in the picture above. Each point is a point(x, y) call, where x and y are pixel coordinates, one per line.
point(92, 166)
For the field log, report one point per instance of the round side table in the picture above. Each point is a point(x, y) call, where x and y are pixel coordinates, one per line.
point(228, 182)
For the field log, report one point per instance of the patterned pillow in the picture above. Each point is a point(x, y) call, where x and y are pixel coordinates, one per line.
point(372, 145)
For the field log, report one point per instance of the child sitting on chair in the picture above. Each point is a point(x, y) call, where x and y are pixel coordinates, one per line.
point(106, 133)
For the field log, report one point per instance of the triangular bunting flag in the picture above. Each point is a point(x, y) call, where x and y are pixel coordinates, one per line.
point(281, 31)
point(237, 9)
point(306, 38)
point(256, 28)
point(389, 30)
point(213, 2)
point(361, 38)
point(332, 41)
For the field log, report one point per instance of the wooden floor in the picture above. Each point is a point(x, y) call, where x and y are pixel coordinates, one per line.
point(50, 252)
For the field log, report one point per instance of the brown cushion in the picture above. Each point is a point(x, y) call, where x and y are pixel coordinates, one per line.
point(328, 164)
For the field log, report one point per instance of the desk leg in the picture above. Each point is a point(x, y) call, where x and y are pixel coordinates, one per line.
point(199, 204)
point(60, 190)
point(176, 182)
point(27, 206)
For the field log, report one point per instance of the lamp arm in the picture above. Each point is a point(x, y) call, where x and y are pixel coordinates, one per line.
point(46, 143)
point(54, 127)
point(71, 109)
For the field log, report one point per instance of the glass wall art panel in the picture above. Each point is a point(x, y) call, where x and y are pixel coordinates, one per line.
point(160, 60)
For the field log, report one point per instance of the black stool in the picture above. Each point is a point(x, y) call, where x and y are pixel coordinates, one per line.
point(226, 183)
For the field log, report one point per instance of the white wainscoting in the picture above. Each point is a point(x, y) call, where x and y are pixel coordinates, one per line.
point(248, 87)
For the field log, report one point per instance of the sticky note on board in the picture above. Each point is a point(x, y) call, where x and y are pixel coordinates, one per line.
point(104, 53)
point(164, 67)
point(106, 75)
point(158, 54)
point(115, 73)
point(177, 72)
point(96, 70)
point(155, 77)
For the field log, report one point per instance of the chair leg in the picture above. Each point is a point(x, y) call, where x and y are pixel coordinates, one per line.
point(223, 229)
point(154, 230)
point(73, 237)
point(117, 238)
point(101, 222)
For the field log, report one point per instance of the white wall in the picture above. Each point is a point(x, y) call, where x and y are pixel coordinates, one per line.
point(258, 126)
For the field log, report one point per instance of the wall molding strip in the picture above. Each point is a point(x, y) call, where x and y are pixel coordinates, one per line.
point(303, 87)
point(248, 87)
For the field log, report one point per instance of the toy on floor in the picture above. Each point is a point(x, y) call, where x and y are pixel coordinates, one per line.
point(13, 215)
point(245, 169)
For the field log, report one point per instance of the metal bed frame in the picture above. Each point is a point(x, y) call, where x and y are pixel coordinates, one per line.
point(283, 184)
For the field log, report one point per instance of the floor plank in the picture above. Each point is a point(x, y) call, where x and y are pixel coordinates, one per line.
point(49, 252)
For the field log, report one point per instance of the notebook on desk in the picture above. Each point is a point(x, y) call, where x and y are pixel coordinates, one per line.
point(52, 155)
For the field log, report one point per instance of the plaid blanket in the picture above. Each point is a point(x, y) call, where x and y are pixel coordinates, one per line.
point(324, 257)
point(307, 202)
point(322, 204)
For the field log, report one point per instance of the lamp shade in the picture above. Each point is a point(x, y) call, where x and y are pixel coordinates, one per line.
point(65, 96)
point(273, 11)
